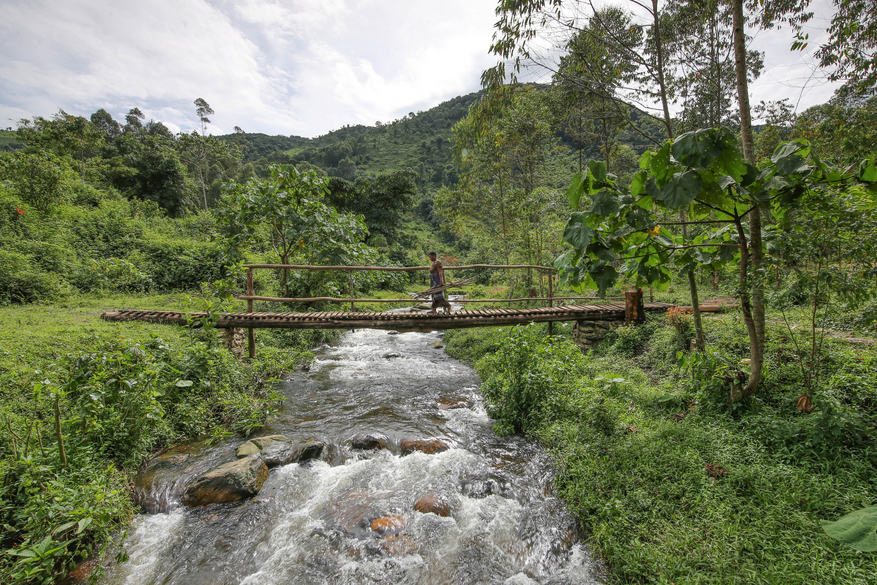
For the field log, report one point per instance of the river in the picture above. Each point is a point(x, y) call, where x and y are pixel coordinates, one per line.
point(312, 523)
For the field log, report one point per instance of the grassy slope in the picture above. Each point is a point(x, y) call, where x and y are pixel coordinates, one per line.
point(637, 481)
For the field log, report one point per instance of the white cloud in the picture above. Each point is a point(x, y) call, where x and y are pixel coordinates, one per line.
point(276, 66)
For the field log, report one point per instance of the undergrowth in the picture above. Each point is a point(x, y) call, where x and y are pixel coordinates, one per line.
point(672, 483)
point(121, 391)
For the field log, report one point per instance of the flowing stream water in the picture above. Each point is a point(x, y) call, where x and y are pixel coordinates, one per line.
point(312, 523)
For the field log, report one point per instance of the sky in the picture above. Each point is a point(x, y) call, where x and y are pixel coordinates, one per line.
point(292, 67)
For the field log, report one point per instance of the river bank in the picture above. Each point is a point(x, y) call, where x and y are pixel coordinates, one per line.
point(667, 483)
point(121, 391)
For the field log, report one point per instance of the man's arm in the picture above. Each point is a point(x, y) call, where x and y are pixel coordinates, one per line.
point(441, 271)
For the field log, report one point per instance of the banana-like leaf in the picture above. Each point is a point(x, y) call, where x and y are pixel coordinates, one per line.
point(857, 529)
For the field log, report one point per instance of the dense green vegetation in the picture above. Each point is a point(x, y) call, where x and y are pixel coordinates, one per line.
point(92, 220)
point(670, 484)
point(693, 448)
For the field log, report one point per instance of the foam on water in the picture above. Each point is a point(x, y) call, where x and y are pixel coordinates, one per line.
point(313, 523)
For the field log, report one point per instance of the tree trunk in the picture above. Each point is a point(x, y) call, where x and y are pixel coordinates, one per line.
point(662, 85)
point(756, 332)
point(746, 308)
point(700, 338)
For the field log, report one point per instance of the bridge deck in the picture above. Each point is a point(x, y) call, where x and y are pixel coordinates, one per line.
point(396, 321)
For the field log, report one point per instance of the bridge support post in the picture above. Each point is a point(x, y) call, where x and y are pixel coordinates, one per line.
point(634, 308)
point(251, 334)
point(587, 334)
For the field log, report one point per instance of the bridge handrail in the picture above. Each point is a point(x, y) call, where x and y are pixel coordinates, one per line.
point(393, 268)
point(413, 300)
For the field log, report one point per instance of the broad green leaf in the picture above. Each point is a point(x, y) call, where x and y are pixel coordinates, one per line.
point(702, 256)
point(603, 253)
point(730, 162)
point(645, 160)
point(605, 203)
point(637, 185)
point(661, 166)
point(183, 383)
point(577, 233)
point(857, 529)
point(604, 277)
point(698, 149)
point(63, 527)
point(574, 193)
point(645, 202)
point(724, 181)
point(793, 163)
point(597, 169)
point(751, 174)
point(681, 190)
point(867, 170)
point(798, 146)
point(640, 219)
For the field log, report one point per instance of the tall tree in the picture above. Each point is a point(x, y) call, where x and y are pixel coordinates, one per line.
point(65, 135)
point(208, 159)
point(851, 51)
point(203, 109)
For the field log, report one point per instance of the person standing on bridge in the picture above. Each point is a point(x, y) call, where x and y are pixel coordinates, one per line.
point(436, 279)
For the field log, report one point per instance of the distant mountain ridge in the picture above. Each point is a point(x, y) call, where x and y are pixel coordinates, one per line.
point(419, 142)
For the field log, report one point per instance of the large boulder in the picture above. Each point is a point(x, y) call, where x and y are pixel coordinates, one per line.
point(262, 442)
point(277, 453)
point(310, 450)
point(432, 503)
point(428, 446)
point(257, 445)
point(369, 442)
point(227, 483)
point(247, 449)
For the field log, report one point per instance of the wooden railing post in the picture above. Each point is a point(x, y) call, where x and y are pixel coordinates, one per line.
point(251, 334)
point(550, 298)
point(351, 290)
point(634, 310)
point(550, 287)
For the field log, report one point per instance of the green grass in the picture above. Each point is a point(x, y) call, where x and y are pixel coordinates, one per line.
point(126, 389)
point(637, 480)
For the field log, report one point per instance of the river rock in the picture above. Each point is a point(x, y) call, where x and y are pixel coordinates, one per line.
point(231, 482)
point(277, 453)
point(369, 442)
point(390, 355)
point(432, 503)
point(392, 333)
point(399, 544)
point(452, 403)
point(428, 446)
point(262, 442)
point(82, 573)
point(348, 510)
point(388, 524)
point(308, 451)
point(437, 345)
point(247, 449)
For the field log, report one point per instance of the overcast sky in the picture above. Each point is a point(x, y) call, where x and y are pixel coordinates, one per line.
point(302, 67)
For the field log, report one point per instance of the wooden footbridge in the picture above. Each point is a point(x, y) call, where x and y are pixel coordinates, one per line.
point(631, 308)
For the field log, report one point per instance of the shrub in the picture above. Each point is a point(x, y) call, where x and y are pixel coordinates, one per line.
point(523, 376)
point(22, 282)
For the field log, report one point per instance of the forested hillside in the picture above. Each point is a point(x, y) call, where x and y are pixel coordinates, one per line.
point(692, 448)
point(418, 142)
